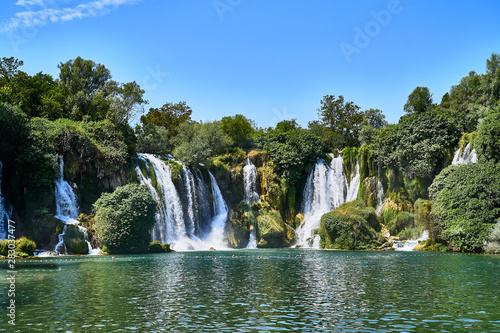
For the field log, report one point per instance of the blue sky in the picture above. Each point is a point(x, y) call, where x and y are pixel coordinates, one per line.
point(268, 60)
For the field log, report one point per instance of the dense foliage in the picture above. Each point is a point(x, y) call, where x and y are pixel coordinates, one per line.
point(124, 219)
point(351, 226)
point(487, 143)
point(419, 144)
point(290, 148)
point(466, 205)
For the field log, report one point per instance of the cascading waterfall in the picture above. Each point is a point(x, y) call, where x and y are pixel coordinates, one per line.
point(5, 213)
point(380, 196)
point(326, 188)
point(468, 156)
point(184, 217)
point(409, 245)
point(250, 183)
point(67, 209)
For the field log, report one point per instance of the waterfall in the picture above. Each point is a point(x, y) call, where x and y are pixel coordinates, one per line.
point(250, 183)
point(409, 245)
point(468, 156)
point(5, 213)
point(326, 188)
point(352, 192)
point(67, 209)
point(184, 216)
point(380, 196)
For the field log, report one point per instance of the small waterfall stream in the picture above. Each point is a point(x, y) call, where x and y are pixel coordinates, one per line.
point(468, 156)
point(185, 218)
point(67, 210)
point(326, 188)
point(250, 181)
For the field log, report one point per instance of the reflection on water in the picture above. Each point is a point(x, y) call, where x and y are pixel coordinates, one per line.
point(285, 290)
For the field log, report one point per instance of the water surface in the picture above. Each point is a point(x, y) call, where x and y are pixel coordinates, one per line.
point(285, 290)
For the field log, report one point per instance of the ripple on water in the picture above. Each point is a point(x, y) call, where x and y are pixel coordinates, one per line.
point(317, 291)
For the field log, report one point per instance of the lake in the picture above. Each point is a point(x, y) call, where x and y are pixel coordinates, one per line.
point(279, 290)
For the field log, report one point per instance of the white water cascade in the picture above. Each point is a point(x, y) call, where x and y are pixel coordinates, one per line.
point(409, 245)
point(250, 180)
point(67, 209)
point(5, 213)
point(185, 218)
point(326, 189)
point(468, 156)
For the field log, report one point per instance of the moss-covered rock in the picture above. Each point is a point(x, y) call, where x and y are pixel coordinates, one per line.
point(240, 223)
point(157, 247)
point(271, 229)
point(75, 240)
point(350, 227)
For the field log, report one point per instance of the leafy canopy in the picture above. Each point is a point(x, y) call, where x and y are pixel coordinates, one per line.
point(124, 219)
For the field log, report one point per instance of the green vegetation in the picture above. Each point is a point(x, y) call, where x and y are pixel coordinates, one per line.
point(74, 239)
point(157, 247)
point(124, 219)
point(24, 247)
point(85, 116)
point(351, 226)
point(466, 205)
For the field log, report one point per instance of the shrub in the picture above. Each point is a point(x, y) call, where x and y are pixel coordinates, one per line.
point(487, 143)
point(155, 247)
point(75, 240)
point(124, 219)
point(348, 227)
point(25, 246)
point(466, 205)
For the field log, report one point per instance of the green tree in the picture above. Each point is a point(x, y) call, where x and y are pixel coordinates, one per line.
point(169, 116)
point(290, 150)
point(419, 100)
point(153, 139)
point(124, 219)
point(9, 67)
point(196, 142)
point(487, 143)
point(238, 128)
point(342, 118)
point(88, 87)
point(466, 204)
point(419, 144)
point(373, 122)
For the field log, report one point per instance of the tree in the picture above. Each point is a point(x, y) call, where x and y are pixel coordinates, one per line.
point(419, 144)
point(124, 219)
point(128, 103)
point(466, 204)
point(375, 118)
point(169, 116)
point(197, 142)
point(373, 122)
point(9, 67)
point(342, 119)
point(493, 63)
point(487, 143)
point(419, 100)
point(238, 128)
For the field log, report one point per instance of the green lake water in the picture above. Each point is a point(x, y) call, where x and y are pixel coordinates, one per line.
point(285, 290)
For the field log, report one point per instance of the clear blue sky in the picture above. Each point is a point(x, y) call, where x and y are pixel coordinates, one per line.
point(268, 60)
